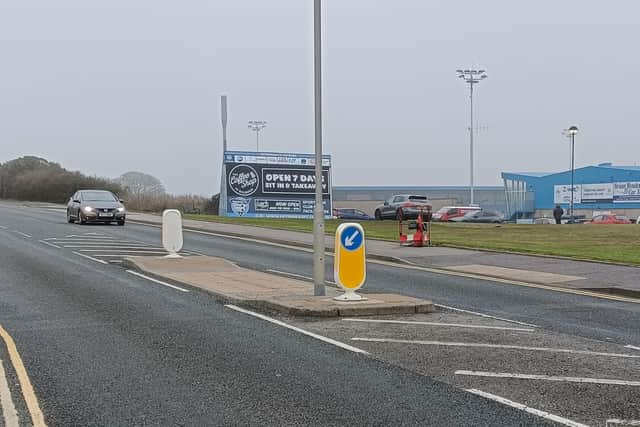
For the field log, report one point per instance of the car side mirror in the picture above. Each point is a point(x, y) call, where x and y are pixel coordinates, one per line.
point(121, 201)
point(386, 203)
point(76, 201)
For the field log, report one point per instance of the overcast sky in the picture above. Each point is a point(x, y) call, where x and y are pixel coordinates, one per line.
point(111, 86)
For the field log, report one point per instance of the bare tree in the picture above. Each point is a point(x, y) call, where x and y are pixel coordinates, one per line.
point(138, 183)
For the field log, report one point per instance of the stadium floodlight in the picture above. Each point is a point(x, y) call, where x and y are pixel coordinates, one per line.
point(256, 126)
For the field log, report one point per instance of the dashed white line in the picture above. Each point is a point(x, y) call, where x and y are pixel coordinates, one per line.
point(619, 422)
point(91, 258)
point(498, 346)
point(9, 413)
point(475, 313)
point(549, 378)
point(160, 282)
point(302, 331)
point(49, 244)
point(525, 408)
point(28, 236)
point(633, 347)
point(452, 325)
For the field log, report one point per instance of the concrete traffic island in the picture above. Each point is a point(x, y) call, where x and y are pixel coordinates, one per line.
point(267, 292)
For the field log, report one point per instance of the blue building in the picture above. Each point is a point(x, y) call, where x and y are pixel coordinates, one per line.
point(604, 187)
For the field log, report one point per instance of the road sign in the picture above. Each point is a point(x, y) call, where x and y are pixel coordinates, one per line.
point(172, 232)
point(349, 268)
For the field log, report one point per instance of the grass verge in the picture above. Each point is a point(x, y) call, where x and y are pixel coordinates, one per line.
point(612, 243)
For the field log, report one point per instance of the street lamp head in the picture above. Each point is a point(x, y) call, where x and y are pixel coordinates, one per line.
point(573, 130)
point(459, 71)
point(484, 76)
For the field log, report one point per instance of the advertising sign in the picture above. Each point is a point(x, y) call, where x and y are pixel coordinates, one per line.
point(272, 185)
point(597, 193)
point(562, 194)
point(626, 192)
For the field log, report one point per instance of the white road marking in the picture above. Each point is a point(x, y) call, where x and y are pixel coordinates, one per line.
point(500, 346)
point(133, 251)
point(2, 227)
point(9, 413)
point(160, 282)
point(49, 244)
point(632, 347)
point(22, 234)
point(87, 236)
point(619, 422)
point(549, 378)
point(452, 325)
point(112, 246)
point(91, 258)
point(525, 408)
point(302, 331)
point(475, 313)
point(297, 276)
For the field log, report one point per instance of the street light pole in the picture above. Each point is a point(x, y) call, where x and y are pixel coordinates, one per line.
point(471, 77)
point(573, 130)
point(318, 211)
point(257, 126)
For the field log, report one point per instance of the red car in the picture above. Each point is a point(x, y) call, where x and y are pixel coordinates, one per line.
point(610, 219)
point(447, 213)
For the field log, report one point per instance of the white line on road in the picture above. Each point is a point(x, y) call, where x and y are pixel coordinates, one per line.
point(475, 313)
point(49, 244)
point(160, 282)
point(525, 408)
point(133, 251)
point(302, 331)
point(632, 347)
point(619, 422)
point(22, 234)
point(91, 258)
point(9, 413)
point(112, 246)
point(500, 346)
point(453, 325)
point(297, 276)
point(2, 227)
point(549, 378)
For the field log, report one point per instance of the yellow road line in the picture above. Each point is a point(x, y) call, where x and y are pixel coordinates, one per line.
point(37, 418)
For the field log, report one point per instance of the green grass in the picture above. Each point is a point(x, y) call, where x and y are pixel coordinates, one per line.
point(613, 243)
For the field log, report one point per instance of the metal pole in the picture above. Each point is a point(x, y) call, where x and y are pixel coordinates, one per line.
point(572, 169)
point(318, 212)
point(223, 101)
point(471, 143)
point(257, 140)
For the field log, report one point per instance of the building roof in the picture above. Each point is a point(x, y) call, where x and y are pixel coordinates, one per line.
point(512, 175)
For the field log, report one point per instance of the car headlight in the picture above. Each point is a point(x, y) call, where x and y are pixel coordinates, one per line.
point(88, 209)
point(120, 209)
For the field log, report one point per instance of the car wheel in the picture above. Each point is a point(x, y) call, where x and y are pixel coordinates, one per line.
point(399, 215)
point(121, 222)
point(81, 219)
point(378, 215)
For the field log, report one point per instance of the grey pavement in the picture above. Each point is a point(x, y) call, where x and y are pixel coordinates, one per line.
point(585, 274)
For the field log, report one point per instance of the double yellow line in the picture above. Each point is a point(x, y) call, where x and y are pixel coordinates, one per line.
point(37, 418)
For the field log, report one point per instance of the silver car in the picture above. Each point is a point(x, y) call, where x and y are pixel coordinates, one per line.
point(95, 206)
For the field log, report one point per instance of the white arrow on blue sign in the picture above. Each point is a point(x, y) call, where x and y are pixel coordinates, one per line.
point(351, 238)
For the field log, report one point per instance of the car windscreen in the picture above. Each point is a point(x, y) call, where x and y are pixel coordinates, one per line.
point(622, 217)
point(418, 198)
point(98, 196)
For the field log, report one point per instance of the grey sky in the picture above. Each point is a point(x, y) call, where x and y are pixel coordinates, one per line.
point(110, 86)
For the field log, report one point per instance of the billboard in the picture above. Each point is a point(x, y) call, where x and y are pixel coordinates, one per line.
point(626, 192)
point(597, 193)
point(272, 185)
point(562, 194)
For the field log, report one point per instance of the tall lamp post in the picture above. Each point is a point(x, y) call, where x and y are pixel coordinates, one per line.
point(573, 130)
point(471, 77)
point(257, 126)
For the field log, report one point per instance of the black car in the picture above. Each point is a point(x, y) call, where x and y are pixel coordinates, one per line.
point(95, 206)
point(480, 217)
point(403, 207)
point(348, 213)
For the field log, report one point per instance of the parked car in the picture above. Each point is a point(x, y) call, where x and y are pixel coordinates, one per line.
point(449, 212)
point(610, 219)
point(481, 216)
point(95, 206)
point(402, 207)
point(348, 213)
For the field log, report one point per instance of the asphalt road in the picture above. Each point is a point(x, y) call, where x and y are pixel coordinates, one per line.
point(103, 347)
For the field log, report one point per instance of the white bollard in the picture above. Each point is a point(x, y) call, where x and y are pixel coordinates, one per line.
point(172, 232)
